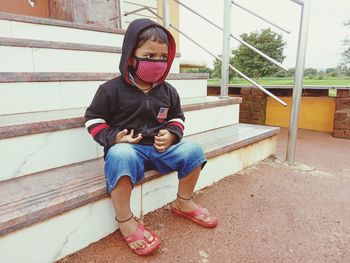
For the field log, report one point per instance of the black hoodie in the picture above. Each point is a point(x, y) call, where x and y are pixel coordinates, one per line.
point(119, 104)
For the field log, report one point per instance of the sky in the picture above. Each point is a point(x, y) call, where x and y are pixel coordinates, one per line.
point(325, 38)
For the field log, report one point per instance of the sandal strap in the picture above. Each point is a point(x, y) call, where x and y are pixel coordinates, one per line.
point(180, 197)
point(139, 234)
point(123, 221)
point(199, 211)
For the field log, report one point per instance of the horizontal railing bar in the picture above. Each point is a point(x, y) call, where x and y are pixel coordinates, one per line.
point(136, 10)
point(154, 13)
point(131, 3)
point(298, 2)
point(233, 68)
point(236, 38)
point(262, 18)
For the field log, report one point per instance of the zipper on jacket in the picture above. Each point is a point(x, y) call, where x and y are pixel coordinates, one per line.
point(147, 105)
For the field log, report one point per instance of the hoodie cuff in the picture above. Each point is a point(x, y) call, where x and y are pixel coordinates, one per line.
point(176, 131)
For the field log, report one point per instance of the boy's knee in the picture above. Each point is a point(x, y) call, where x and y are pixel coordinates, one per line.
point(121, 151)
point(191, 149)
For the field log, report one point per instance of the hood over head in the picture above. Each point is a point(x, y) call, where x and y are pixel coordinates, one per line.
point(129, 44)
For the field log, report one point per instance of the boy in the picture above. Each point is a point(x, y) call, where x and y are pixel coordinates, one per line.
point(138, 119)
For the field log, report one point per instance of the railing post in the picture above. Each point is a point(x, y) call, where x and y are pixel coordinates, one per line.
point(226, 49)
point(121, 15)
point(298, 81)
point(165, 8)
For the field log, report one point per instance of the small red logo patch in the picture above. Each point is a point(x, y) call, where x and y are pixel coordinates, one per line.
point(162, 114)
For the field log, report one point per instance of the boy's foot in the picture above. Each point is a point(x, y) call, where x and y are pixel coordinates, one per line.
point(189, 209)
point(141, 240)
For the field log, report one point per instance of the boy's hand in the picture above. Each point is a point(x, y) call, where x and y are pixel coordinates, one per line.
point(122, 136)
point(164, 140)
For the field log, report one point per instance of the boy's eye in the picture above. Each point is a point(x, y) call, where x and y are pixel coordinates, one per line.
point(151, 56)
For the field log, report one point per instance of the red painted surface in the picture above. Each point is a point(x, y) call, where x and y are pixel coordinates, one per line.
point(24, 7)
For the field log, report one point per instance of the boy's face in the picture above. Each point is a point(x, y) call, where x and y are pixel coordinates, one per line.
point(150, 49)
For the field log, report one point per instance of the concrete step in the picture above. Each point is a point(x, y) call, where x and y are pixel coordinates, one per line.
point(61, 135)
point(71, 203)
point(56, 91)
point(27, 55)
point(27, 27)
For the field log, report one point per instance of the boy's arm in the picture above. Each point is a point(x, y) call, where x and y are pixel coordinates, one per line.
point(97, 117)
point(176, 118)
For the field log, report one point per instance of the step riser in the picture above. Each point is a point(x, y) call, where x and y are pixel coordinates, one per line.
point(23, 30)
point(23, 59)
point(54, 149)
point(26, 59)
point(77, 228)
point(43, 96)
point(212, 118)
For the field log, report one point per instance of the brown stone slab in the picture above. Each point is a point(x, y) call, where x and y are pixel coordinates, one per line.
point(33, 198)
point(14, 125)
point(20, 42)
point(56, 22)
point(32, 43)
point(9, 77)
point(308, 87)
point(30, 199)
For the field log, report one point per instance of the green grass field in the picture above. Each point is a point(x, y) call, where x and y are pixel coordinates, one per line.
point(326, 81)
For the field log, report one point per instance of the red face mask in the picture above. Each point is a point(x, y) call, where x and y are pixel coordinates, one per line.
point(150, 70)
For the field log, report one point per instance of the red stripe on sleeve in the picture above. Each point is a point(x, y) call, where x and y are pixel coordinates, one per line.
point(98, 128)
point(178, 124)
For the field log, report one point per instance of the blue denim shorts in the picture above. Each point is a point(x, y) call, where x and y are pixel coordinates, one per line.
point(125, 159)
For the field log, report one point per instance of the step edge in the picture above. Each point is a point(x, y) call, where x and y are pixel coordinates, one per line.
point(34, 217)
point(25, 129)
point(15, 77)
point(46, 44)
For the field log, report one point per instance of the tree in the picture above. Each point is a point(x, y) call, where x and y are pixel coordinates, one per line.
point(197, 70)
point(290, 72)
point(310, 71)
point(251, 63)
point(346, 52)
point(330, 70)
point(344, 70)
point(216, 73)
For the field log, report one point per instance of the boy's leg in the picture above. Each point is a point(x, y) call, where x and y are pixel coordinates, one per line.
point(184, 200)
point(124, 166)
point(187, 158)
point(121, 203)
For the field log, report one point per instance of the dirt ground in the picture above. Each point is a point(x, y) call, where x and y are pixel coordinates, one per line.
point(271, 212)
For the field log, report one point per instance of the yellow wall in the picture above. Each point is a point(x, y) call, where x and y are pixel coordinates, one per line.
point(174, 19)
point(316, 113)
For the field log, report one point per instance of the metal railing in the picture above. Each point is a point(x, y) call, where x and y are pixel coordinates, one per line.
point(300, 63)
point(298, 78)
point(224, 77)
point(227, 35)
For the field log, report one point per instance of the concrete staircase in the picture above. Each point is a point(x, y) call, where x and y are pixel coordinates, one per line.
point(53, 199)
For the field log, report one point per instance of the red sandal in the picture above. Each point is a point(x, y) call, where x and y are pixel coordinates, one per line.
point(139, 234)
point(193, 215)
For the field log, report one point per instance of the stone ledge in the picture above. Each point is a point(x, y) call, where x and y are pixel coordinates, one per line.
point(10, 77)
point(33, 198)
point(311, 87)
point(23, 124)
point(30, 43)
